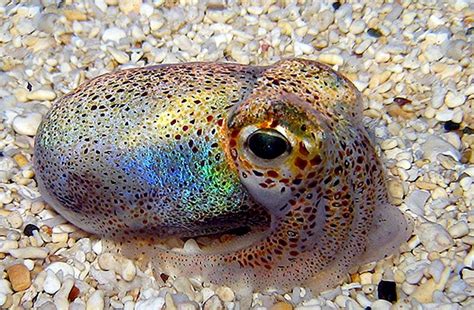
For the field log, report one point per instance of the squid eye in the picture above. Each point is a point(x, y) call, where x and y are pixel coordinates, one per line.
point(268, 143)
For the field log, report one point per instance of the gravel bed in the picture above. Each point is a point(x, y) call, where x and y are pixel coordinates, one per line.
point(412, 60)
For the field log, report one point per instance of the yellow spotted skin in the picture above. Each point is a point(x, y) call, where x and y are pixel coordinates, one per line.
point(170, 150)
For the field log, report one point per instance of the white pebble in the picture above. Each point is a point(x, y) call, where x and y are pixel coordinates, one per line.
point(128, 270)
point(357, 27)
point(28, 124)
point(101, 5)
point(435, 145)
point(404, 164)
point(120, 56)
point(62, 267)
point(41, 95)
point(107, 261)
point(150, 303)
point(5, 287)
point(15, 220)
point(438, 95)
point(466, 183)
point(146, 10)
point(156, 23)
point(459, 230)
point(433, 53)
point(130, 6)
point(324, 19)
point(97, 247)
point(363, 300)
point(51, 283)
point(113, 34)
point(434, 237)
point(381, 305)
point(444, 115)
point(96, 301)
point(389, 144)
point(416, 201)
point(6, 245)
point(331, 59)
point(361, 48)
point(302, 48)
point(453, 100)
point(225, 293)
point(469, 259)
point(436, 269)
point(366, 278)
point(29, 252)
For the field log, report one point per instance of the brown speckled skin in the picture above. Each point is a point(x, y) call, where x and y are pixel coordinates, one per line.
point(326, 198)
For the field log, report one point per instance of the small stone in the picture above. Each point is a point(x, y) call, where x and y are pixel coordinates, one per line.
point(225, 293)
point(434, 237)
point(156, 23)
point(96, 301)
point(366, 278)
point(15, 220)
point(436, 269)
point(7, 245)
point(302, 48)
point(107, 261)
point(433, 53)
point(113, 34)
point(324, 19)
point(73, 293)
point(389, 144)
point(101, 5)
point(459, 229)
point(41, 95)
point(381, 305)
point(29, 229)
point(150, 303)
point(401, 101)
point(451, 126)
point(438, 95)
point(129, 6)
point(357, 27)
point(435, 145)
point(120, 56)
point(51, 283)
point(146, 10)
point(29, 252)
point(182, 284)
point(62, 267)
point(128, 270)
point(73, 15)
point(28, 124)
point(467, 273)
point(336, 5)
point(240, 56)
point(213, 303)
point(331, 59)
point(19, 277)
point(453, 100)
point(416, 201)
point(387, 290)
point(282, 305)
point(59, 237)
point(395, 189)
point(444, 115)
point(382, 56)
point(20, 160)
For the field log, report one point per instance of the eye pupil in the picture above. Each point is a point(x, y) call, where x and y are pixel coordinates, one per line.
point(268, 144)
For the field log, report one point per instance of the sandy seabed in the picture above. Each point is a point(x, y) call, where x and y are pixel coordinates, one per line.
point(412, 60)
